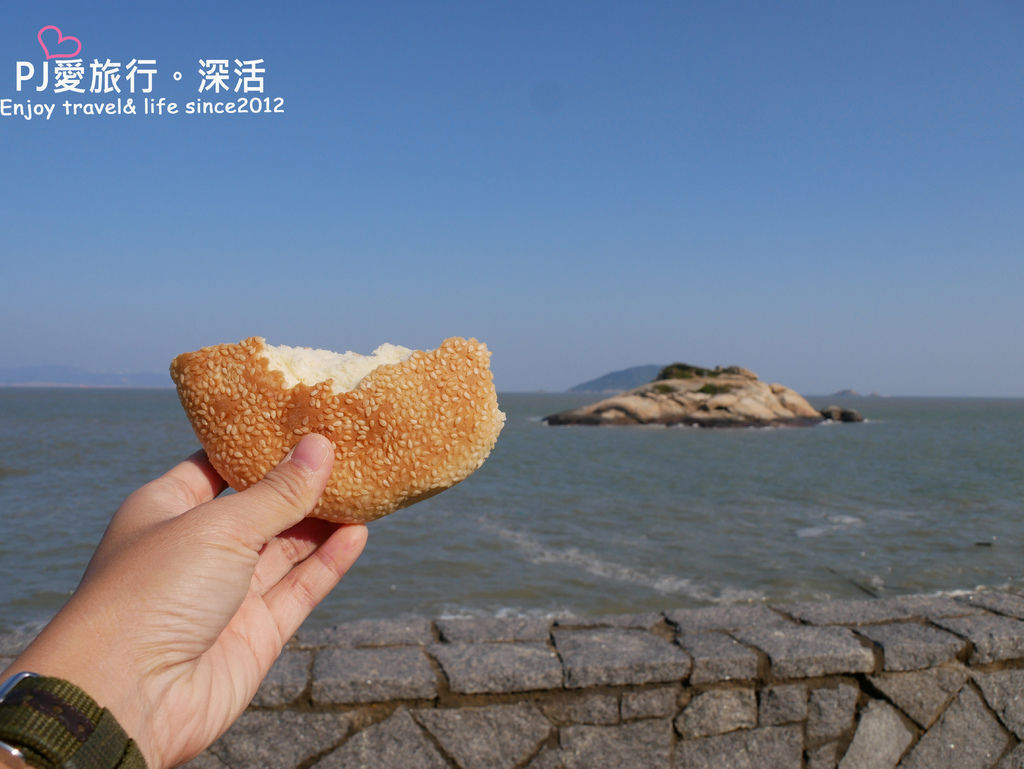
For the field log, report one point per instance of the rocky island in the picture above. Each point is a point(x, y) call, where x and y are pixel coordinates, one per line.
point(682, 394)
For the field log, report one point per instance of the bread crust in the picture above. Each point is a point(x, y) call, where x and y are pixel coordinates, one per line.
point(406, 432)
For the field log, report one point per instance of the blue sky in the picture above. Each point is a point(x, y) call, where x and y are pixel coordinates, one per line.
point(829, 194)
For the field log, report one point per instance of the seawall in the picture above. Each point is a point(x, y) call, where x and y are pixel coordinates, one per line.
point(915, 682)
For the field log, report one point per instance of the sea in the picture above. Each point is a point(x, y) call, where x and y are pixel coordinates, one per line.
point(925, 496)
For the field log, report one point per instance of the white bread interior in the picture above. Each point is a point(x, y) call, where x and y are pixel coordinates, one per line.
point(345, 369)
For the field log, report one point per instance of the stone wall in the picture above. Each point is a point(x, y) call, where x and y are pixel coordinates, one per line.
point(921, 682)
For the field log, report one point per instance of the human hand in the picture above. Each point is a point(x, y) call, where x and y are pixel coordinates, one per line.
point(188, 599)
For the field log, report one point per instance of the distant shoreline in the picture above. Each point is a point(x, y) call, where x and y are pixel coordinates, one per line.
point(811, 396)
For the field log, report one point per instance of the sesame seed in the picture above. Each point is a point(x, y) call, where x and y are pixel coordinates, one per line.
point(440, 420)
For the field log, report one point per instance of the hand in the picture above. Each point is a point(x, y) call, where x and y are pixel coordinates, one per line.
point(188, 599)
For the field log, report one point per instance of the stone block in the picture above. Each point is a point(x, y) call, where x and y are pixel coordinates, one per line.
point(724, 618)
point(824, 756)
point(396, 743)
point(1010, 604)
point(717, 657)
point(849, 612)
point(1014, 759)
point(496, 737)
point(638, 745)
point(584, 709)
point(1004, 692)
point(777, 747)
point(910, 646)
point(801, 651)
point(718, 711)
point(830, 712)
point(880, 740)
point(782, 704)
point(643, 621)
point(923, 695)
point(935, 606)
point(548, 758)
point(498, 668)
point(280, 739)
point(651, 703)
point(993, 638)
point(486, 629)
point(343, 675)
point(967, 736)
point(287, 679)
point(614, 657)
point(370, 632)
point(205, 760)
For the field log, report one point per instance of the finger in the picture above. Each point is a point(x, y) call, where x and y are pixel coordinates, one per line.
point(287, 549)
point(286, 495)
point(196, 480)
point(298, 593)
point(186, 485)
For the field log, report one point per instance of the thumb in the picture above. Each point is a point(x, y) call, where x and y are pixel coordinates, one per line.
point(285, 495)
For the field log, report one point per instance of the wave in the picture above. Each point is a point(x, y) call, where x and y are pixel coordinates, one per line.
point(597, 565)
point(835, 523)
point(504, 612)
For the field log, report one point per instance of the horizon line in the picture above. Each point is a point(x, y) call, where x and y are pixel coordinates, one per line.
point(537, 391)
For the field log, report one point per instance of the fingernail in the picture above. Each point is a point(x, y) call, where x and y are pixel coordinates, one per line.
point(311, 452)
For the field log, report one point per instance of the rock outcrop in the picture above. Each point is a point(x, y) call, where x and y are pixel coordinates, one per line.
point(691, 395)
point(841, 414)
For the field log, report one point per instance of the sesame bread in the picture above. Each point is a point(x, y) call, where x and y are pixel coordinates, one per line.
point(405, 425)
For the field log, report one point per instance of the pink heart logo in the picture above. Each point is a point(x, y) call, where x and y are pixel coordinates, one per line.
point(60, 39)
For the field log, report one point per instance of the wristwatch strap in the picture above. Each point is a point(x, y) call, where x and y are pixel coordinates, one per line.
point(57, 725)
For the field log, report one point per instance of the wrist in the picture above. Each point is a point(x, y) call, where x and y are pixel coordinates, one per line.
point(49, 723)
point(67, 649)
point(11, 757)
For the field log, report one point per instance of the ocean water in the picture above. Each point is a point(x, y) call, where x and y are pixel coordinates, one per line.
point(927, 495)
